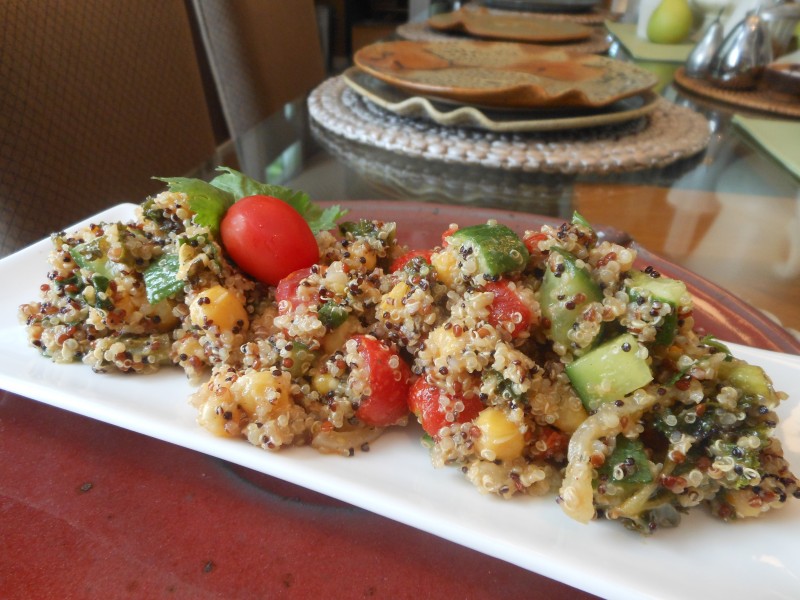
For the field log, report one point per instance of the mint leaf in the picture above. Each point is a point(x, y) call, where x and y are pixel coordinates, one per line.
point(240, 186)
point(161, 278)
point(207, 201)
point(320, 219)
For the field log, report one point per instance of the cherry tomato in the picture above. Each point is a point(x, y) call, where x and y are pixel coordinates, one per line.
point(531, 241)
point(507, 307)
point(389, 381)
point(402, 261)
point(287, 296)
point(423, 400)
point(267, 238)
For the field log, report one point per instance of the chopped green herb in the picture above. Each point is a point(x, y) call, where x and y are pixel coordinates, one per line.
point(713, 342)
point(161, 278)
point(579, 219)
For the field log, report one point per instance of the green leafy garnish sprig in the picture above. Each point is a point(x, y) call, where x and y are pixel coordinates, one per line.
point(210, 200)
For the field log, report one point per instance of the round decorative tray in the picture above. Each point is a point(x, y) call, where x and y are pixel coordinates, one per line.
point(761, 98)
point(666, 135)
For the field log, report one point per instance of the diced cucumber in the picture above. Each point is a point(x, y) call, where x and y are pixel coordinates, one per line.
point(609, 372)
point(564, 296)
point(364, 228)
point(668, 330)
point(302, 359)
point(92, 256)
point(663, 289)
point(628, 463)
point(360, 228)
point(497, 248)
point(332, 315)
point(155, 347)
point(161, 278)
point(751, 379)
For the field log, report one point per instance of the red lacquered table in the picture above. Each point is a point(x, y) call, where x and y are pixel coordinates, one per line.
point(89, 510)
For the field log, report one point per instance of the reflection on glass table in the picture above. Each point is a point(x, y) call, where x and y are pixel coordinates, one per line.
point(691, 211)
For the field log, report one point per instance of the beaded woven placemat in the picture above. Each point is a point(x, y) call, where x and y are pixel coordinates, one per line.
point(667, 134)
point(759, 98)
point(420, 32)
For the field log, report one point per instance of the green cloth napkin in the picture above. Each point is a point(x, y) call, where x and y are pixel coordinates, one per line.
point(778, 137)
point(644, 50)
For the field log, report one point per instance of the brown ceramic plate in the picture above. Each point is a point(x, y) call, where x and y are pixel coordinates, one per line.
point(502, 74)
point(416, 107)
point(521, 28)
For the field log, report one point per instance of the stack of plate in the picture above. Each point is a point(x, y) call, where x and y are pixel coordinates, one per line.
point(484, 24)
point(504, 87)
point(581, 32)
point(544, 6)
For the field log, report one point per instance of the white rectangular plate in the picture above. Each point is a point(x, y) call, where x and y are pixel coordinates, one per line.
point(703, 558)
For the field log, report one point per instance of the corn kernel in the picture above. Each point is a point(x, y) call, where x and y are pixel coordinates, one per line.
point(261, 394)
point(445, 264)
point(499, 437)
point(214, 417)
point(569, 416)
point(394, 298)
point(740, 500)
point(324, 383)
point(220, 307)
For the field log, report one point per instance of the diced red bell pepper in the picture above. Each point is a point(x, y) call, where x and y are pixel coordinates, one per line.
point(508, 308)
point(389, 381)
point(401, 261)
point(531, 240)
point(556, 443)
point(424, 402)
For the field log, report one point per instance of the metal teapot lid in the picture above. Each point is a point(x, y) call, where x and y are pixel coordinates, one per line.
point(699, 60)
point(740, 60)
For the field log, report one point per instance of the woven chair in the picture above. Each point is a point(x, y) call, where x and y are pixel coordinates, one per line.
point(96, 98)
point(262, 54)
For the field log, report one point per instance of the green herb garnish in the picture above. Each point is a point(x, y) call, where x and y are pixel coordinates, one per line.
point(210, 200)
point(161, 278)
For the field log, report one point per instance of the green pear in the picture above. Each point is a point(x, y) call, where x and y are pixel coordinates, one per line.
point(671, 22)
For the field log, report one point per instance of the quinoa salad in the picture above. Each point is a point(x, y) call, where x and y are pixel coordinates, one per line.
point(543, 363)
